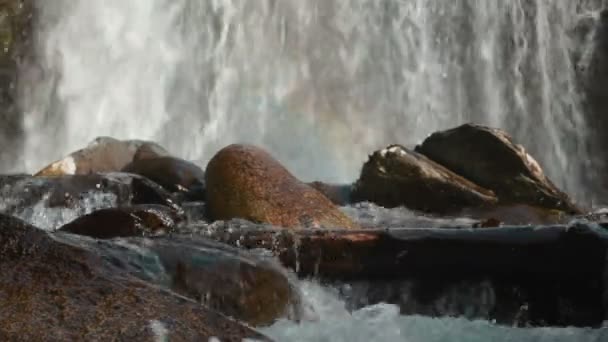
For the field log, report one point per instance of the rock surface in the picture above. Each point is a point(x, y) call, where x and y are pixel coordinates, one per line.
point(174, 174)
point(246, 182)
point(104, 154)
point(339, 194)
point(142, 220)
point(489, 157)
point(229, 280)
point(54, 291)
point(397, 176)
point(22, 191)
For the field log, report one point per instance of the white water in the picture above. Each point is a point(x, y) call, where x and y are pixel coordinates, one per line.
point(319, 83)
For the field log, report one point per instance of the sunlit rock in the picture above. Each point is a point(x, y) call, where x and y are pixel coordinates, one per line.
point(142, 220)
point(55, 291)
point(490, 158)
point(396, 176)
point(103, 154)
point(174, 174)
point(246, 182)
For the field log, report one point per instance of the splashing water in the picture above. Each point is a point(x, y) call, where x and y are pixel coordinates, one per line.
point(319, 83)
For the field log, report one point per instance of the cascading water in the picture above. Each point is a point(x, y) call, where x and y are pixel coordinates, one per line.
point(319, 83)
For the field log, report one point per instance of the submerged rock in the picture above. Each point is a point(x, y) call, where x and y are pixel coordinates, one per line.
point(397, 176)
point(174, 174)
point(246, 182)
point(104, 154)
point(55, 291)
point(490, 158)
point(142, 220)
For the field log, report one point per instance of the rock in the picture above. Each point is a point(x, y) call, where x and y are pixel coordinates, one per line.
point(120, 189)
point(397, 176)
point(489, 157)
point(103, 154)
point(246, 182)
point(174, 174)
point(516, 214)
point(53, 291)
point(491, 272)
point(228, 280)
point(142, 220)
point(339, 194)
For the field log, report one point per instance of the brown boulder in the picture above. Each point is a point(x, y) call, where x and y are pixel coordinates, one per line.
point(141, 220)
point(490, 158)
point(397, 176)
point(103, 154)
point(174, 174)
point(51, 291)
point(229, 280)
point(246, 182)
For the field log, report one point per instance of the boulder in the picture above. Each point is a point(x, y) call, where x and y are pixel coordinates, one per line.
point(490, 158)
point(246, 182)
point(104, 154)
point(54, 291)
point(174, 174)
point(396, 176)
point(229, 280)
point(141, 220)
point(120, 189)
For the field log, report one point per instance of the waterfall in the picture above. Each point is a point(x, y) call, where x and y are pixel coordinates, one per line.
point(319, 83)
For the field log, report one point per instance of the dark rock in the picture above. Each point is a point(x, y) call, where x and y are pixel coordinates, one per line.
point(53, 291)
point(555, 275)
point(517, 214)
point(22, 191)
point(142, 220)
point(339, 194)
point(174, 174)
point(489, 157)
point(397, 176)
point(104, 154)
point(228, 280)
point(246, 182)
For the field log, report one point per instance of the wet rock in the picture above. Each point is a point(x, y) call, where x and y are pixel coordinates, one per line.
point(529, 275)
point(516, 214)
point(246, 182)
point(339, 194)
point(174, 174)
point(397, 176)
point(490, 158)
point(228, 280)
point(53, 291)
point(142, 220)
point(104, 154)
point(22, 191)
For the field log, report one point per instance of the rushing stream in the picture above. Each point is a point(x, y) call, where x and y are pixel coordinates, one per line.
point(320, 84)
